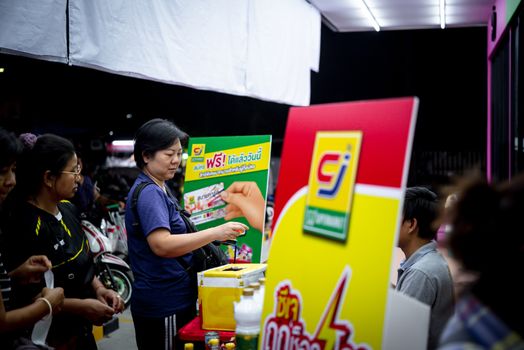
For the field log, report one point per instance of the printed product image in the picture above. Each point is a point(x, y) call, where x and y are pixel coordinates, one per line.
point(205, 204)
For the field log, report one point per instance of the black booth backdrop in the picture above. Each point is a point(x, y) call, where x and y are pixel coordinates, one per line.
point(446, 69)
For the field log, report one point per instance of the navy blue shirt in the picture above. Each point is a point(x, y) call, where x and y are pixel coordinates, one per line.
point(162, 287)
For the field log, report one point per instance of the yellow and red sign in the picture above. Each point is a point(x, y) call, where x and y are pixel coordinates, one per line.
point(226, 162)
point(332, 293)
point(331, 183)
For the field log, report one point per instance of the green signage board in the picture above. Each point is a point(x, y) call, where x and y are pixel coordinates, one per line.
point(226, 179)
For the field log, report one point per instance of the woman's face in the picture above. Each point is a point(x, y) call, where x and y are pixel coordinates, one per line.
point(66, 183)
point(7, 180)
point(164, 163)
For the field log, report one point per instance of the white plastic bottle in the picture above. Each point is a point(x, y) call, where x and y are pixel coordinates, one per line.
point(247, 317)
point(256, 295)
point(214, 344)
point(262, 291)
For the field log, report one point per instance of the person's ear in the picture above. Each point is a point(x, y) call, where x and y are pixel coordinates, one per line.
point(146, 157)
point(49, 179)
point(413, 225)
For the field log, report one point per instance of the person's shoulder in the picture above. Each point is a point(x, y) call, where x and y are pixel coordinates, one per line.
point(66, 204)
point(21, 221)
point(436, 261)
point(417, 271)
point(141, 183)
point(431, 258)
point(151, 190)
point(433, 266)
point(21, 213)
point(67, 207)
point(149, 194)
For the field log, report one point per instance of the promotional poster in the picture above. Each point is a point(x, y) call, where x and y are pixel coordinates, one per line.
point(338, 208)
point(226, 179)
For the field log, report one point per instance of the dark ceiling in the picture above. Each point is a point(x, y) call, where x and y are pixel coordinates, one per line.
point(446, 69)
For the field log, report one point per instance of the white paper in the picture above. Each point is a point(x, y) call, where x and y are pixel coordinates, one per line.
point(41, 328)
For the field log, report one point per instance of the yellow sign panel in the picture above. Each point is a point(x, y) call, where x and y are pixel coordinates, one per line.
point(331, 183)
point(232, 161)
point(336, 288)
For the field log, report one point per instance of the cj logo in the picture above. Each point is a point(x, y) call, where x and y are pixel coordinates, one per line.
point(197, 151)
point(329, 182)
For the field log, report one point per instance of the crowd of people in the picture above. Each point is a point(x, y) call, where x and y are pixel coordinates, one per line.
point(41, 232)
point(41, 229)
point(480, 307)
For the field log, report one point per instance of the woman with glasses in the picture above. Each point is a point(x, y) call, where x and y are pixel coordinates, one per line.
point(40, 220)
point(14, 320)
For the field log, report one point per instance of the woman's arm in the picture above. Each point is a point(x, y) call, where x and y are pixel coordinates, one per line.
point(166, 245)
point(98, 310)
point(107, 296)
point(92, 309)
point(23, 317)
point(29, 315)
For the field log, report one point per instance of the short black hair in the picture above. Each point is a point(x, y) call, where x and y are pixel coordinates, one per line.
point(10, 148)
point(155, 135)
point(420, 203)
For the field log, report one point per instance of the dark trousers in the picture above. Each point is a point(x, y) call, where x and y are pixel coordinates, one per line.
point(161, 333)
point(83, 340)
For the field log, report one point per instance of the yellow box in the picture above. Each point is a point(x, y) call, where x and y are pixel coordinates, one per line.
point(98, 332)
point(219, 287)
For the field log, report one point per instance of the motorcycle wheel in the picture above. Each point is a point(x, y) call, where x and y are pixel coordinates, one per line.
point(123, 282)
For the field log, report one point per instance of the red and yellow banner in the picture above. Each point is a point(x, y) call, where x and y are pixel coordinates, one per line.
point(326, 291)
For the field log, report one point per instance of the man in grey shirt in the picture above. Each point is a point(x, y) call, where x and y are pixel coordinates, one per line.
point(424, 275)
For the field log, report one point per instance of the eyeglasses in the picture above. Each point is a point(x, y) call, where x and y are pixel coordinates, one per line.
point(76, 172)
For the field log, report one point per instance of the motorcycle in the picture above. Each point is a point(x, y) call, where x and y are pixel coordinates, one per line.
point(112, 270)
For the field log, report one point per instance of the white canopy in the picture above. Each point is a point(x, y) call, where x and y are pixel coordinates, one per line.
point(34, 28)
point(259, 48)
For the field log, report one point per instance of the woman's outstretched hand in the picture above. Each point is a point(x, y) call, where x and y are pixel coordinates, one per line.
point(230, 231)
point(245, 199)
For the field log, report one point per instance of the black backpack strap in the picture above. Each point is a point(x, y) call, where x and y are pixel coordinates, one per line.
point(184, 214)
point(136, 223)
point(134, 205)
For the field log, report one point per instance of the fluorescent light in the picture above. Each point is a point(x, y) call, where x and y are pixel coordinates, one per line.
point(185, 155)
point(442, 14)
point(371, 17)
point(123, 143)
point(1, 70)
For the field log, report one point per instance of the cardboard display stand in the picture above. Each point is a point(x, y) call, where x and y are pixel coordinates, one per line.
point(338, 206)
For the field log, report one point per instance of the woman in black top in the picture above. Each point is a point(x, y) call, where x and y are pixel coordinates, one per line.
point(12, 321)
point(42, 221)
